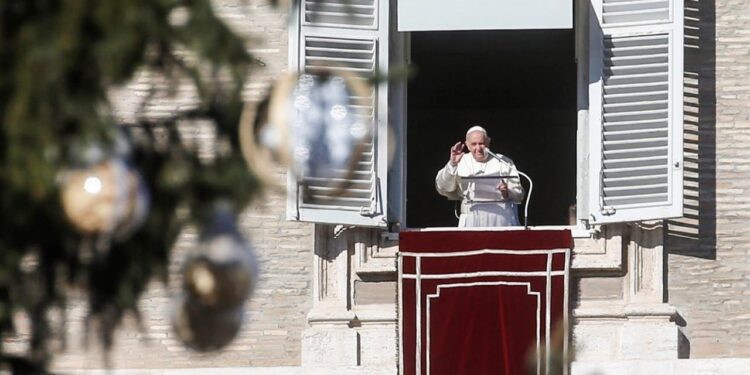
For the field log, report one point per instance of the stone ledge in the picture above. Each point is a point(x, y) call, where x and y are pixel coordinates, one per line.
point(291, 370)
point(377, 314)
point(329, 314)
point(608, 309)
point(717, 366)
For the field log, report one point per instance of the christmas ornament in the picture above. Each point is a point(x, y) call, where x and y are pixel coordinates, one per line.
point(261, 158)
point(109, 196)
point(318, 124)
point(205, 329)
point(221, 273)
point(217, 279)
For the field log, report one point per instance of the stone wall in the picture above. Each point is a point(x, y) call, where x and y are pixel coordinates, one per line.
point(707, 251)
point(709, 271)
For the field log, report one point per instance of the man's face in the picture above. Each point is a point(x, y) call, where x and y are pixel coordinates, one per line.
point(476, 142)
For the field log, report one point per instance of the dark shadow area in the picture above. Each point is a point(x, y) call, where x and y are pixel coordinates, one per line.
point(519, 85)
point(683, 346)
point(695, 233)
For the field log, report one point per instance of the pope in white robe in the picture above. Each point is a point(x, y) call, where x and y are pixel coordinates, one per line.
point(486, 201)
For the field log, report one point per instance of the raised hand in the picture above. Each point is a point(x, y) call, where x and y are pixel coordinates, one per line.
point(457, 152)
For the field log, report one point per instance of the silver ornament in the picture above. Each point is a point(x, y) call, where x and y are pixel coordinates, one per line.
point(319, 125)
point(222, 271)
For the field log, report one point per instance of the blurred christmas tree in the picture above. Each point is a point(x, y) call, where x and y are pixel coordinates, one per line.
point(91, 204)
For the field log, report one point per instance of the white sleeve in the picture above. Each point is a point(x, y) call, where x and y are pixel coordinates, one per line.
point(515, 189)
point(446, 182)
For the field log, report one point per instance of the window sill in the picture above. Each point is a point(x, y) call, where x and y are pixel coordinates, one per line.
point(576, 231)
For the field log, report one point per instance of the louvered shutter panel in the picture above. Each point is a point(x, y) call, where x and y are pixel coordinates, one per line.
point(343, 13)
point(635, 110)
point(621, 12)
point(345, 36)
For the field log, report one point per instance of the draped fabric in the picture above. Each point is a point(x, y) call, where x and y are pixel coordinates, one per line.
point(481, 302)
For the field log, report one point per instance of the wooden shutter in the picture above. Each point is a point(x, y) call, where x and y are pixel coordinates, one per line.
point(348, 36)
point(635, 110)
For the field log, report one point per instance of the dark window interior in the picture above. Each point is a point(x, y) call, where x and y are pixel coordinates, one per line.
point(519, 85)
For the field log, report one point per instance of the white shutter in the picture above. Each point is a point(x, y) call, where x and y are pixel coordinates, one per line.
point(621, 12)
point(350, 36)
point(343, 13)
point(635, 110)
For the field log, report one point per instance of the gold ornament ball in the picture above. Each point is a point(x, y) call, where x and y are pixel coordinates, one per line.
point(103, 197)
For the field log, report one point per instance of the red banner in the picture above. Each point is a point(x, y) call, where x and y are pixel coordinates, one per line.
point(482, 302)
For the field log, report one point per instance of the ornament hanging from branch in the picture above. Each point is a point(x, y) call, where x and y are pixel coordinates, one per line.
point(205, 329)
point(318, 124)
point(222, 272)
point(218, 277)
point(104, 194)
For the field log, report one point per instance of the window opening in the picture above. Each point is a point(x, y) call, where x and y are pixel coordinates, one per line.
point(519, 85)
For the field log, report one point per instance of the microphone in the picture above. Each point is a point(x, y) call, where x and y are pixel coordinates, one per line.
point(531, 187)
point(490, 153)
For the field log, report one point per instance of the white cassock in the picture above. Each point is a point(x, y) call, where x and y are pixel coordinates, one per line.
point(482, 205)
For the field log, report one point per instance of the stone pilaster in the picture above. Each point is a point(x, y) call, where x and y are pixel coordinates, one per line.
point(637, 324)
point(329, 339)
point(344, 330)
point(650, 331)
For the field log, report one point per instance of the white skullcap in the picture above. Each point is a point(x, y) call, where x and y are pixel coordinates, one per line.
point(476, 128)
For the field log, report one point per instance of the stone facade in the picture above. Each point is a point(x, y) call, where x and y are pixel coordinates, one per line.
point(708, 250)
point(327, 294)
point(706, 273)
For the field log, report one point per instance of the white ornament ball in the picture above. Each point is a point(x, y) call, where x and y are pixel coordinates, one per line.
point(222, 271)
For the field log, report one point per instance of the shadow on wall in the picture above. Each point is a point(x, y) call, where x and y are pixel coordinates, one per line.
point(695, 234)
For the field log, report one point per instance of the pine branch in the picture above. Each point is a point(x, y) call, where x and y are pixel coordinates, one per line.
point(59, 59)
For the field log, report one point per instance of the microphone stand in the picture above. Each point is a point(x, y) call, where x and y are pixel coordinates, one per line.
point(528, 196)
